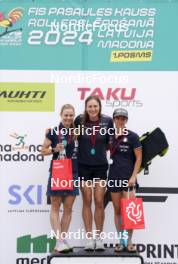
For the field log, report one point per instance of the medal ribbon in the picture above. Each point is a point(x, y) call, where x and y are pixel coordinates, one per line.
point(113, 149)
point(69, 137)
point(93, 137)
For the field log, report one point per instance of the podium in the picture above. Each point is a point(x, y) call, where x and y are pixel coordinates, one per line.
point(80, 256)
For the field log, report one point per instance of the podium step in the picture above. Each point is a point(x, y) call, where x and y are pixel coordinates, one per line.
point(80, 256)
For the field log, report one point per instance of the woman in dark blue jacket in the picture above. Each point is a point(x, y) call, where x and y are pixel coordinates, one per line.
point(92, 167)
point(53, 145)
point(125, 162)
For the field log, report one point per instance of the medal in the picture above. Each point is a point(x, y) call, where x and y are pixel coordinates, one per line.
point(64, 142)
point(111, 161)
point(93, 151)
point(93, 140)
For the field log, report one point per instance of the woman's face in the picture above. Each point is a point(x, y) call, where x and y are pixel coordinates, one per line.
point(120, 121)
point(93, 108)
point(67, 117)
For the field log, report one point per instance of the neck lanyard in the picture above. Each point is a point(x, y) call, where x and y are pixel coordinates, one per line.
point(64, 140)
point(93, 139)
point(113, 149)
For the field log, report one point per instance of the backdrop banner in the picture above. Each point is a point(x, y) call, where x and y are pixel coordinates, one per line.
point(57, 52)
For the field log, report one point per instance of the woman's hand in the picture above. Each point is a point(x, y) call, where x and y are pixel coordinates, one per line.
point(58, 147)
point(132, 181)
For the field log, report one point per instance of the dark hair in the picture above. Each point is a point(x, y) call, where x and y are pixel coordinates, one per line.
point(85, 115)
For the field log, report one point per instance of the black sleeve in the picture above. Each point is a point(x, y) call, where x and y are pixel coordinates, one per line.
point(77, 121)
point(49, 135)
point(110, 125)
point(136, 141)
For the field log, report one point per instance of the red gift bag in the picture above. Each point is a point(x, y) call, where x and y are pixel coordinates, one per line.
point(132, 214)
point(62, 178)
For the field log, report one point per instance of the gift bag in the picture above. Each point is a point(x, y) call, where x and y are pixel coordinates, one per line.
point(132, 214)
point(61, 176)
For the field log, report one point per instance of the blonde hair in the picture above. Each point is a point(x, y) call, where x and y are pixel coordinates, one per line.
point(69, 106)
point(66, 106)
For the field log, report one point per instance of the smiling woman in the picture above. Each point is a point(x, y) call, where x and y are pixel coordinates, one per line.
point(63, 147)
point(93, 165)
point(125, 162)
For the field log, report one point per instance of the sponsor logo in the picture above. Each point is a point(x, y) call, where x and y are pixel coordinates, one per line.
point(40, 244)
point(27, 199)
point(32, 260)
point(9, 34)
point(159, 251)
point(113, 97)
point(31, 195)
point(133, 55)
point(19, 150)
point(134, 213)
point(156, 253)
point(125, 139)
point(31, 97)
point(20, 144)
